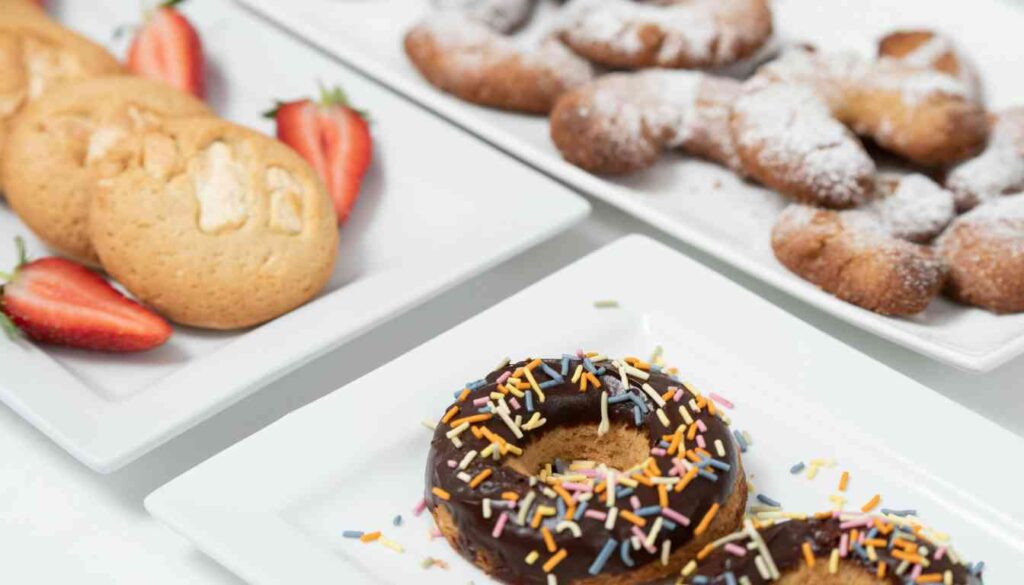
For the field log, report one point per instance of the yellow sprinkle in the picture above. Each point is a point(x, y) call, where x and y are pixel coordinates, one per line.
point(663, 417)
point(532, 557)
point(392, 545)
point(533, 383)
point(833, 562)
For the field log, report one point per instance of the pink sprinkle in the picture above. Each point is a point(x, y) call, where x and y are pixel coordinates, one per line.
point(596, 515)
point(453, 463)
point(481, 400)
point(861, 538)
point(675, 516)
point(643, 540)
point(635, 502)
point(721, 400)
point(580, 354)
point(735, 549)
point(855, 523)
point(915, 573)
point(435, 533)
point(577, 487)
point(658, 451)
point(500, 525)
point(504, 377)
point(700, 441)
point(514, 403)
point(587, 472)
point(418, 508)
point(939, 553)
point(844, 545)
point(677, 393)
point(700, 425)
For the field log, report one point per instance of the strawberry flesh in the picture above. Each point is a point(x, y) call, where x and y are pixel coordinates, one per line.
point(56, 301)
point(167, 48)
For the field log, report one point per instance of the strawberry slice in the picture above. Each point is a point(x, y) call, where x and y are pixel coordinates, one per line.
point(167, 48)
point(334, 138)
point(53, 300)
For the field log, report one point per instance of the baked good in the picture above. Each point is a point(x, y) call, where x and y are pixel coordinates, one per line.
point(832, 549)
point(590, 469)
point(215, 225)
point(929, 49)
point(984, 249)
point(855, 255)
point(36, 53)
point(622, 122)
point(504, 16)
point(467, 59)
point(690, 34)
point(998, 170)
point(66, 140)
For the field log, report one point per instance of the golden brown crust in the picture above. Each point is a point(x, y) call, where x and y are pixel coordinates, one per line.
point(466, 59)
point(985, 253)
point(696, 34)
point(728, 520)
point(61, 144)
point(927, 48)
point(856, 261)
point(216, 226)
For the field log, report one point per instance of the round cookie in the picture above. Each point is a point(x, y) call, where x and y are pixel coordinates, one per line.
point(216, 225)
point(62, 143)
point(984, 249)
point(36, 53)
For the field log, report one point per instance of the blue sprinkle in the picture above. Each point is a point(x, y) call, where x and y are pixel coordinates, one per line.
point(551, 372)
point(589, 365)
point(655, 368)
point(602, 557)
point(559, 465)
point(529, 401)
point(797, 468)
point(730, 579)
point(740, 441)
point(618, 398)
point(668, 524)
point(872, 533)
point(623, 492)
point(457, 394)
point(549, 383)
point(637, 401)
point(648, 511)
point(579, 511)
point(768, 501)
point(565, 364)
point(352, 533)
point(624, 553)
point(397, 521)
point(476, 384)
point(900, 513)
point(601, 371)
point(560, 504)
point(701, 580)
point(707, 475)
point(664, 444)
point(978, 568)
point(863, 554)
point(636, 415)
point(486, 408)
point(719, 465)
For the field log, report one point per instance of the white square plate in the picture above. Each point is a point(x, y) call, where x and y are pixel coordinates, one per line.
point(699, 202)
point(272, 508)
point(437, 207)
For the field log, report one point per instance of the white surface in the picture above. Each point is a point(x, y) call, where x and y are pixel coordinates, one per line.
point(62, 523)
point(272, 507)
point(421, 225)
point(699, 202)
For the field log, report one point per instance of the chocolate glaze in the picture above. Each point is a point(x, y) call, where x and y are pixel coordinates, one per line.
point(566, 405)
point(785, 540)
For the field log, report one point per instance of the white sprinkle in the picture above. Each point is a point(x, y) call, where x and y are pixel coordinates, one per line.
point(524, 507)
point(552, 580)
point(572, 527)
point(464, 476)
point(654, 395)
point(666, 550)
point(663, 418)
point(719, 448)
point(604, 427)
point(609, 522)
point(429, 424)
point(685, 414)
point(653, 534)
point(487, 508)
point(457, 430)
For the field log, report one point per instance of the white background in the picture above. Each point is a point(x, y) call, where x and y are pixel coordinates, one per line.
point(59, 522)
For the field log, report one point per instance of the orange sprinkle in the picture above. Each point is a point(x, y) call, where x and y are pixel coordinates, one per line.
point(668, 394)
point(691, 432)
point(503, 389)
point(706, 521)
point(509, 496)
point(823, 515)
point(663, 495)
point(441, 493)
point(930, 578)
point(523, 386)
point(703, 452)
point(463, 395)
point(570, 510)
point(480, 477)
point(872, 504)
point(601, 487)
point(681, 484)
point(692, 457)
point(593, 379)
point(475, 418)
point(854, 535)
point(653, 466)
point(881, 570)
point(554, 560)
point(371, 536)
point(583, 383)
point(910, 547)
point(448, 415)
point(808, 554)
point(476, 432)
point(844, 481)
point(627, 515)
point(876, 542)
point(707, 550)
point(911, 558)
point(564, 494)
point(549, 541)
point(536, 362)
point(674, 444)
point(536, 518)
point(642, 479)
point(883, 527)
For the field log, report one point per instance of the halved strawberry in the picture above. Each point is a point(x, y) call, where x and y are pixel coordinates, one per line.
point(167, 48)
point(53, 300)
point(334, 138)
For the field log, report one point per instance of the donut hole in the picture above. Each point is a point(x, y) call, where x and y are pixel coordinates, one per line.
point(621, 448)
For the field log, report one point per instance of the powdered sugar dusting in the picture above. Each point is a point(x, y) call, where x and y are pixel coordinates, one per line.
point(1001, 218)
point(913, 207)
point(996, 171)
point(501, 15)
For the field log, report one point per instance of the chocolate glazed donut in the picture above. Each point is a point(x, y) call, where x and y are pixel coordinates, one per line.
point(589, 470)
point(819, 551)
